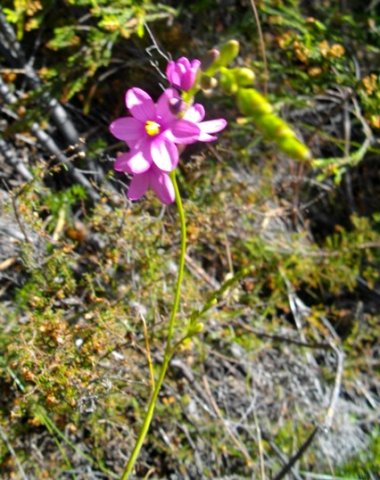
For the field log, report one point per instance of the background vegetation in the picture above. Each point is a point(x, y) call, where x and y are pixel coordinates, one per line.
point(287, 366)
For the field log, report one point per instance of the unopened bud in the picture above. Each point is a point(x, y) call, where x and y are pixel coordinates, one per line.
point(228, 52)
point(208, 83)
point(227, 81)
point(244, 76)
point(251, 103)
point(294, 148)
point(274, 127)
point(197, 328)
point(209, 59)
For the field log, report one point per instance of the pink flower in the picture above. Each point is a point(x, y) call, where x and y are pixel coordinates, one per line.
point(158, 181)
point(196, 114)
point(182, 73)
point(152, 133)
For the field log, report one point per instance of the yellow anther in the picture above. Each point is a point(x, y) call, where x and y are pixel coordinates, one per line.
point(152, 128)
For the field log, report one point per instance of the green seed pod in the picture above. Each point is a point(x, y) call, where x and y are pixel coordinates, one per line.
point(294, 148)
point(244, 76)
point(228, 52)
point(274, 127)
point(227, 81)
point(251, 103)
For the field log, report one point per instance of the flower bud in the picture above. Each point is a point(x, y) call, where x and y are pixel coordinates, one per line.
point(244, 76)
point(274, 127)
point(227, 81)
point(198, 327)
point(209, 59)
point(182, 73)
point(251, 103)
point(294, 148)
point(208, 83)
point(228, 52)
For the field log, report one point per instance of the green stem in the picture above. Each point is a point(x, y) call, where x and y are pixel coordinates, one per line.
point(168, 349)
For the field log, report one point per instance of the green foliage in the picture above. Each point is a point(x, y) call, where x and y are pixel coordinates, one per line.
point(84, 47)
point(367, 462)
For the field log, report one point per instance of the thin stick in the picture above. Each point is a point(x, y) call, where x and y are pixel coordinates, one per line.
point(11, 157)
point(287, 468)
point(262, 45)
point(279, 453)
point(337, 386)
point(261, 448)
point(239, 445)
point(148, 353)
point(13, 453)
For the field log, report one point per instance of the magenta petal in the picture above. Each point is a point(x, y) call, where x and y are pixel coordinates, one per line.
point(213, 126)
point(127, 128)
point(164, 113)
point(187, 80)
point(170, 70)
point(138, 186)
point(176, 77)
point(205, 137)
point(184, 132)
point(173, 74)
point(140, 104)
point(183, 61)
point(121, 163)
point(195, 64)
point(161, 183)
point(195, 114)
point(164, 154)
point(136, 161)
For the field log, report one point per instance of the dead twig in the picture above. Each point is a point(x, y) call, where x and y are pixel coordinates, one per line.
point(14, 52)
point(11, 157)
point(199, 273)
point(240, 446)
point(261, 448)
point(288, 467)
point(49, 144)
point(262, 45)
point(13, 453)
point(280, 454)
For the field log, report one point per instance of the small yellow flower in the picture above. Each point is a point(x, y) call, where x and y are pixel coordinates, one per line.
point(324, 47)
point(375, 121)
point(337, 50)
point(314, 71)
point(302, 52)
point(369, 83)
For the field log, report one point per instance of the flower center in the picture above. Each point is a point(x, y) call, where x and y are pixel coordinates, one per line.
point(152, 128)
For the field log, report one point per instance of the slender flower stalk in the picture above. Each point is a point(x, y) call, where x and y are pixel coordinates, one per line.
point(169, 351)
point(155, 133)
